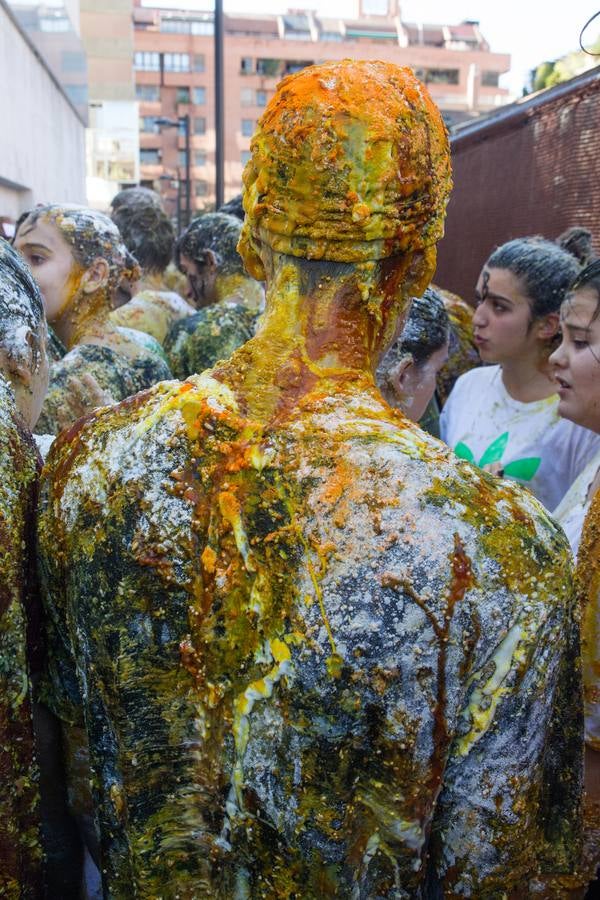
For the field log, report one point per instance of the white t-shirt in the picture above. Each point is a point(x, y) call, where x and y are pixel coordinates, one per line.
point(482, 423)
point(573, 508)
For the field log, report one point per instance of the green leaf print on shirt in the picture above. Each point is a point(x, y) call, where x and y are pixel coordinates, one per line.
point(523, 469)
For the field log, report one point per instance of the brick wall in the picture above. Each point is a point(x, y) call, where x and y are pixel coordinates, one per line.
point(532, 168)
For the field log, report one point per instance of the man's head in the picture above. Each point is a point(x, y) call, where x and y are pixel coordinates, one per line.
point(135, 196)
point(350, 163)
point(148, 233)
point(23, 335)
point(206, 251)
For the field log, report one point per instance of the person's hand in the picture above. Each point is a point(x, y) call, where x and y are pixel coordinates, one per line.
point(81, 396)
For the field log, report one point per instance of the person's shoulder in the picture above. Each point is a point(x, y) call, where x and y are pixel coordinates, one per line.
point(475, 379)
point(151, 417)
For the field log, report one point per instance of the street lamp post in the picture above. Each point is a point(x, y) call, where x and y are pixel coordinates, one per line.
point(181, 121)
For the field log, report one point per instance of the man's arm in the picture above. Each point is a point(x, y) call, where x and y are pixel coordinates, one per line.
point(510, 806)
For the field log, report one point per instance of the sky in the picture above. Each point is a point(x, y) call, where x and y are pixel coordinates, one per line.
point(527, 29)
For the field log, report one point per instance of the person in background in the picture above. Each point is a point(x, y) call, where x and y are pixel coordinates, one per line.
point(234, 207)
point(148, 234)
point(314, 652)
point(229, 301)
point(406, 375)
point(578, 241)
point(462, 350)
point(504, 417)
point(78, 260)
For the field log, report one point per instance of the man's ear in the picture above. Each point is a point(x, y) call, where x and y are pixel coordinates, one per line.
point(548, 326)
point(209, 260)
point(95, 276)
point(400, 372)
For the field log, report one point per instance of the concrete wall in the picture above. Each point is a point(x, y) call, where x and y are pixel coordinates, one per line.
point(42, 151)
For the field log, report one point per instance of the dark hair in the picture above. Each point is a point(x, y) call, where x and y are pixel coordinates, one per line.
point(425, 331)
point(136, 196)
point(217, 232)
point(148, 233)
point(21, 305)
point(234, 207)
point(577, 241)
point(545, 269)
point(588, 278)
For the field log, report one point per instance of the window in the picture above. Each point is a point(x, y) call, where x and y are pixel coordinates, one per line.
point(441, 76)
point(148, 125)
point(331, 36)
point(175, 26)
point(199, 95)
point(203, 28)
point(199, 125)
point(269, 67)
point(200, 158)
point(182, 158)
point(198, 61)
point(146, 62)
point(73, 61)
point(149, 157)
point(77, 94)
point(246, 156)
point(261, 98)
point(247, 127)
point(183, 95)
point(490, 79)
point(247, 65)
point(147, 92)
point(247, 97)
point(177, 62)
point(201, 188)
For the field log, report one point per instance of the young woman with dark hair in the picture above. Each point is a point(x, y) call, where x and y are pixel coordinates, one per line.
point(505, 417)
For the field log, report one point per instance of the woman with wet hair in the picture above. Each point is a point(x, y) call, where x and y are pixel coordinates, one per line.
point(504, 417)
point(148, 233)
point(576, 367)
point(406, 376)
point(79, 260)
point(227, 298)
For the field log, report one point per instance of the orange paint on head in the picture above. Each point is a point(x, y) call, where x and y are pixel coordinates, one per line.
point(350, 162)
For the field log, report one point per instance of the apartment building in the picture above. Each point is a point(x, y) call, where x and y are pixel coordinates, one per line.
point(174, 77)
point(112, 137)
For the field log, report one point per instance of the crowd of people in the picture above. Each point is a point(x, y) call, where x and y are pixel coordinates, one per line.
point(300, 552)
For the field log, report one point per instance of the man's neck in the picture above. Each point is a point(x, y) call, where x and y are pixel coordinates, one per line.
point(308, 343)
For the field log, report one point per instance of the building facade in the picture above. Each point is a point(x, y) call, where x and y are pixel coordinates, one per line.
point(43, 106)
point(174, 78)
point(112, 139)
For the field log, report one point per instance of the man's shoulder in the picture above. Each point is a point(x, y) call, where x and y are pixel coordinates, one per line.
point(145, 420)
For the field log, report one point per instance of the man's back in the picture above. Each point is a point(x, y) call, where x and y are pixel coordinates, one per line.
point(318, 657)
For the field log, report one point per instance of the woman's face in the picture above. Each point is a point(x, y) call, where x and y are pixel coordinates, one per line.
point(576, 362)
point(201, 279)
point(51, 262)
point(502, 319)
